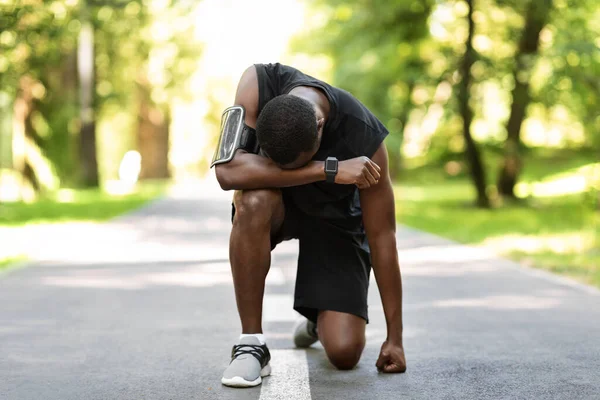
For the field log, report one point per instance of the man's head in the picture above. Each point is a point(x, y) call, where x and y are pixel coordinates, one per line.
point(288, 131)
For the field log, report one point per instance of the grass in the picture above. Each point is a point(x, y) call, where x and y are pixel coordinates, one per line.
point(68, 205)
point(5, 263)
point(558, 232)
point(72, 205)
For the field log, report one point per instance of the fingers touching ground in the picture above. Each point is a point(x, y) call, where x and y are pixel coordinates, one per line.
point(391, 358)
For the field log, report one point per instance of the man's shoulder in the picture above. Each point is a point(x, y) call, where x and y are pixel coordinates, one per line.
point(361, 130)
point(272, 69)
point(355, 111)
point(288, 73)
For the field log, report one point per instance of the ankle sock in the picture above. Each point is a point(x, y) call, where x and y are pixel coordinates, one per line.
point(259, 336)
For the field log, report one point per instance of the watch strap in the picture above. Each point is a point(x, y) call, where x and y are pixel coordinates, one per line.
point(330, 174)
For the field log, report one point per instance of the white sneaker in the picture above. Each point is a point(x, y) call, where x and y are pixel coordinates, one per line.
point(305, 333)
point(249, 364)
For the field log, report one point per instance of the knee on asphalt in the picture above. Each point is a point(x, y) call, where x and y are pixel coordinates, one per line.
point(344, 355)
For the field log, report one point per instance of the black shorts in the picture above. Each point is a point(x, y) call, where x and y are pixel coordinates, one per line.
point(334, 263)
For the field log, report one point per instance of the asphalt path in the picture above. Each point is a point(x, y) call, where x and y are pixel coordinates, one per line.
point(143, 308)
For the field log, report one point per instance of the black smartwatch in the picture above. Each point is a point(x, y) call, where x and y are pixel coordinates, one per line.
point(331, 169)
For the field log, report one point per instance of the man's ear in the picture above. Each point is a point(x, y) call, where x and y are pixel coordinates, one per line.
point(320, 123)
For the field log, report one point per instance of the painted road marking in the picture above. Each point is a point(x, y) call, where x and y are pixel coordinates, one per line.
point(289, 377)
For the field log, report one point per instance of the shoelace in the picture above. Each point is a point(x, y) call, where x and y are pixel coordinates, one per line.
point(260, 352)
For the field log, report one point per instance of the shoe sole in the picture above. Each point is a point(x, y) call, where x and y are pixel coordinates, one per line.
point(239, 382)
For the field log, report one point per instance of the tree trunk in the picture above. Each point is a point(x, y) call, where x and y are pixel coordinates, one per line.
point(85, 64)
point(535, 19)
point(472, 152)
point(153, 135)
point(63, 149)
point(6, 134)
point(23, 132)
point(395, 150)
point(394, 147)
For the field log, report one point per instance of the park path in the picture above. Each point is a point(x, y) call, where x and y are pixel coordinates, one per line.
point(143, 308)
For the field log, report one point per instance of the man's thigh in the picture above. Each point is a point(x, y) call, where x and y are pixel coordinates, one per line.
point(334, 267)
point(335, 326)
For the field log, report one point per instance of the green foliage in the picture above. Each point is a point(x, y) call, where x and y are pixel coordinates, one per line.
point(34, 35)
point(571, 64)
point(9, 262)
point(400, 57)
point(377, 48)
point(69, 205)
point(559, 233)
point(380, 51)
point(36, 39)
point(135, 41)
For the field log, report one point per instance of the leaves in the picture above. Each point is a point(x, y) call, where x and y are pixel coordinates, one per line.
point(39, 38)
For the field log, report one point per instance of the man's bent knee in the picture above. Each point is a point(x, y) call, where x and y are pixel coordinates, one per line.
point(256, 206)
point(344, 355)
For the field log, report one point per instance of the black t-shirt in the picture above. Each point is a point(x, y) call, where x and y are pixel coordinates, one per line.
point(350, 131)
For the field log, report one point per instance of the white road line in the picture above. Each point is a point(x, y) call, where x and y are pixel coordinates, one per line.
point(289, 377)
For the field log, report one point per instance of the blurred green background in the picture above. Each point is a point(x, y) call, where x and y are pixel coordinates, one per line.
point(493, 107)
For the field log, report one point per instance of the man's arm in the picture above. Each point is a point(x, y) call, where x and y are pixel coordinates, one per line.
point(251, 171)
point(379, 218)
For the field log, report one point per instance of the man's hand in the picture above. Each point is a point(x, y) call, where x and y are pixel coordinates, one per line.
point(379, 218)
point(391, 358)
point(360, 171)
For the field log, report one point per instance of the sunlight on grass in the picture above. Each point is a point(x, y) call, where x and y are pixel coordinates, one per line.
point(6, 263)
point(559, 232)
point(557, 187)
point(68, 205)
point(65, 195)
point(11, 187)
point(564, 243)
point(577, 180)
point(581, 266)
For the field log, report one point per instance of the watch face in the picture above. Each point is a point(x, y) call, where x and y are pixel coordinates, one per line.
point(330, 165)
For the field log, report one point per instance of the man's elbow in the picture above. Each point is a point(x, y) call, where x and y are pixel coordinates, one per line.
point(224, 177)
point(382, 237)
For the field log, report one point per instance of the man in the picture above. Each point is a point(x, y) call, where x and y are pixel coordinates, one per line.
point(321, 176)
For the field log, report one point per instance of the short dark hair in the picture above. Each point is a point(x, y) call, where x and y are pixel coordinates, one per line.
point(286, 127)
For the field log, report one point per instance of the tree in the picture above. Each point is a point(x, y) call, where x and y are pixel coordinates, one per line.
point(572, 61)
point(471, 151)
point(148, 71)
point(35, 41)
point(87, 89)
point(106, 49)
point(152, 133)
point(23, 131)
point(535, 19)
point(376, 48)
